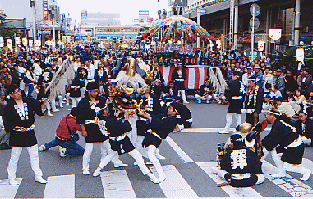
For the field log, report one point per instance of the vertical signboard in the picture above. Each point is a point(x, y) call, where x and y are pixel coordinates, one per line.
point(1, 42)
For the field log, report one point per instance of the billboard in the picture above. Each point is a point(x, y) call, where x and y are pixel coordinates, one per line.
point(143, 12)
point(84, 14)
point(45, 10)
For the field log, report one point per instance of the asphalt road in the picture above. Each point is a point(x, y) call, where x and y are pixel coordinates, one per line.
point(189, 157)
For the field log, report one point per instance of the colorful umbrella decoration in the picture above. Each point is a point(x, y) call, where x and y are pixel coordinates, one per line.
point(176, 28)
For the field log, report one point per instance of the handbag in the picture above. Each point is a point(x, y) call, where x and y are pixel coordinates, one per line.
point(75, 136)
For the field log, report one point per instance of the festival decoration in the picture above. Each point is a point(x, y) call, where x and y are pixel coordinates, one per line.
point(176, 28)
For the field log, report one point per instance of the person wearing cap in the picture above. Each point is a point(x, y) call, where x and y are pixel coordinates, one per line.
point(19, 120)
point(88, 109)
point(240, 166)
point(285, 145)
point(280, 82)
point(304, 127)
point(253, 101)
point(179, 77)
point(258, 75)
point(64, 137)
point(205, 92)
point(235, 96)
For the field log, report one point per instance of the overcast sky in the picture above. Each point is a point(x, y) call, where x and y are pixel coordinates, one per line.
point(128, 9)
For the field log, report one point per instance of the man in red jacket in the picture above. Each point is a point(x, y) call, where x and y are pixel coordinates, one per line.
point(67, 127)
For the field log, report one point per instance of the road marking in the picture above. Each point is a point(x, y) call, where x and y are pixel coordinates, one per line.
point(175, 186)
point(7, 190)
point(231, 191)
point(116, 184)
point(289, 184)
point(210, 130)
point(178, 150)
point(60, 187)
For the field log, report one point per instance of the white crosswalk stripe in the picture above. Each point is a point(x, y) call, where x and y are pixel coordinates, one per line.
point(231, 191)
point(60, 187)
point(291, 185)
point(175, 186)
point(178, 150)
point(116, 184)
point(210, 130)
point(7, 190)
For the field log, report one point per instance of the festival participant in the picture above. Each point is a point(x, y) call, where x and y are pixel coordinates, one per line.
point(235, 96)
point(179, 77)
point(117, 129)
point(253, 102)
point(64, 137)
point(240, 166)
point(304, 127)
point(285, 145)
point(205, 92)
point(161, 127)
point(88, 109)
point(19, 119)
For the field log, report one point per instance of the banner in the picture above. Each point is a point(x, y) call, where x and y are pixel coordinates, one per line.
point(275, 34)
point(37, 43)
point(24, 41)
point(1, 42)
point(9, 43)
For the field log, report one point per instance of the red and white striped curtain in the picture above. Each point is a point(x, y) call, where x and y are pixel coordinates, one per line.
point(195, 76)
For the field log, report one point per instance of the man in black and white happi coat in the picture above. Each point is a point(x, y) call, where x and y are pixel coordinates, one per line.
point(19, 119)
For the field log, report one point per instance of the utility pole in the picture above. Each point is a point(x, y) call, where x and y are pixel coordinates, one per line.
point(297, 23)
point(236, 26)
point(231, 21)
point(33, 6)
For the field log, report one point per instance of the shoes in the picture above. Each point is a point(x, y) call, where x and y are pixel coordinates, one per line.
point(62, 152)
point(154, 179)
point(13, 181)
point(199, 101)
point(208, 101)
point(50, 114)
point(86, 172)
point(186, 102)
point(56, 110)
point(160, 157)
point(97, 172)
point(162, 178)
point(5, 146)
point(67, 104)
point(120, 165)
point(69, 109)
point(306, 175)
point(40, 180)
point(42, 148)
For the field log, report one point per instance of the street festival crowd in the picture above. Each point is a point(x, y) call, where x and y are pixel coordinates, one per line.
point(41, 82)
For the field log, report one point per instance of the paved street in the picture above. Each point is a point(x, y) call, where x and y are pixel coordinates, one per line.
point(189, 158)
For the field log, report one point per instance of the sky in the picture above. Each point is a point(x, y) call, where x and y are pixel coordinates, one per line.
point(128, 9)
